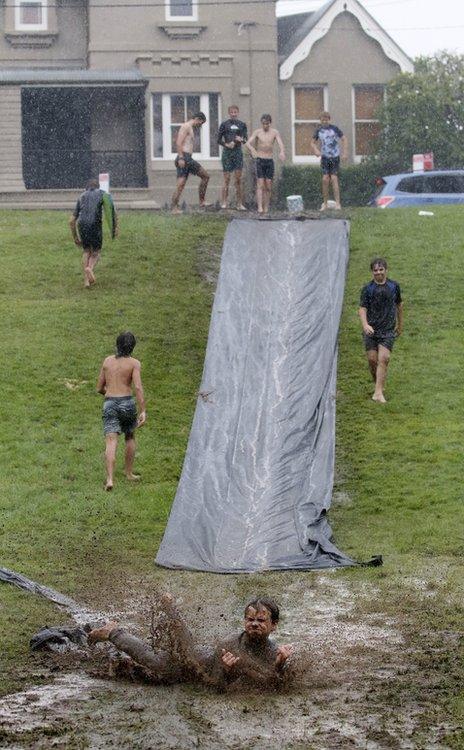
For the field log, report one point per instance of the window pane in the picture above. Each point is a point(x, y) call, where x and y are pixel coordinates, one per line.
point(367, 101)
point(443, 183)
point(366, 135)
point(193, 106)
point(157, 126)
point(411, 185)
point(303, 137)
point(181, 7)
point(213, 124)
point(177, 109)
point(309, 103)
point(31, 13)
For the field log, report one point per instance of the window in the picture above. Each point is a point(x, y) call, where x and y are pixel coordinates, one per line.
point(367, 100)
point(308, 103)
point(31, 15)
point(182, 10)
point(169, 111)
point(433, 183)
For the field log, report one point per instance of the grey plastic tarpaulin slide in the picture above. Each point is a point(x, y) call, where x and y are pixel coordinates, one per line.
point(258, 473)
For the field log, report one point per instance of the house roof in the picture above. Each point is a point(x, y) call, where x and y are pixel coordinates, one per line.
point(76, 76)
point(296, 38)
point(291, 30)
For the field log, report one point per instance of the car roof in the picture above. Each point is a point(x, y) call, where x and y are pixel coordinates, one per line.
point(426, 172)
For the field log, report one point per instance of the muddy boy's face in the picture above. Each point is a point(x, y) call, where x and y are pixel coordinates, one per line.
point(258, 623)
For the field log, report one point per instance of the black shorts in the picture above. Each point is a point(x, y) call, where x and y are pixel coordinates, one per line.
point(190, 166)
point(379, 339)
point(330, 164)
point(232, 159)
point(91, 237)
point(119, 415)
point(264, 169)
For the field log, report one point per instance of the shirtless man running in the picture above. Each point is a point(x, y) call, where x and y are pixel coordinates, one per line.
point(117, 376)
point(186, 164)
point(261, 146)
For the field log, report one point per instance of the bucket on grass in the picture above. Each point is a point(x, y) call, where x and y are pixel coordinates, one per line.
point(294, 203)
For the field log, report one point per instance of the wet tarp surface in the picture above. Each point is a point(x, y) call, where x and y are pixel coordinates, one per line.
point(258, 473)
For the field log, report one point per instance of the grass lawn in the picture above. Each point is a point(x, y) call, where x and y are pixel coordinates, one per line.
point(398, 491)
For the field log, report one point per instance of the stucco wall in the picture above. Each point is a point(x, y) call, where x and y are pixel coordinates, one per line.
point(345, 56)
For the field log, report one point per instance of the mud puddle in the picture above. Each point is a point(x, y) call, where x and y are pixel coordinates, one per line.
point(337, 704)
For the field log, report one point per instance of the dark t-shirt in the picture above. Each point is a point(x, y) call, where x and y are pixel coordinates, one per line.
point(229, 129)
point(380, 301)
point(329, 136)
point(88, 211)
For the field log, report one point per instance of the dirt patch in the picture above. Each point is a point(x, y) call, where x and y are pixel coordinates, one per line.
point(360, 687)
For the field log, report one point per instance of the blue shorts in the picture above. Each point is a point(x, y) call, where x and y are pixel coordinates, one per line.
point(119, 415)
point(330, 164)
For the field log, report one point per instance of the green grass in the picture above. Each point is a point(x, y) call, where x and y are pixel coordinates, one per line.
point(398, 465)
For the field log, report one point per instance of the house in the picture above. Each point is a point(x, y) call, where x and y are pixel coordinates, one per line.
point(102, 85)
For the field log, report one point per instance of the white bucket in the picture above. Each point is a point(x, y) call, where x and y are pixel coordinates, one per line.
point(294, 203)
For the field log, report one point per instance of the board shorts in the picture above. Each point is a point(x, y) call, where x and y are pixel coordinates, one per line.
point(190, 166)
point(264, 168)
point(91, 237)
point(330, 164)
point(119, 415)
point(232, 159)
point(383, 339)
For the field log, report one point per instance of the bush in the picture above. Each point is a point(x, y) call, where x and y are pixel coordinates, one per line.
point(357, 183)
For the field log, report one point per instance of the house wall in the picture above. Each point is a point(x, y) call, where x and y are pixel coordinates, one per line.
point(345, 56)
point(62, 45)
point(11, 170)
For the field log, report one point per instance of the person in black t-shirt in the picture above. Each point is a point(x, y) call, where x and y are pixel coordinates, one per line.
point(232, 133)
point(381, 314)
point(332, 146)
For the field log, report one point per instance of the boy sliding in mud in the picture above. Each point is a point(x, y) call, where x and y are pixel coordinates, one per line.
point(249, 656)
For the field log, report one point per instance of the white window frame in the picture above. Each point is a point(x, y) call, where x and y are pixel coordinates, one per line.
point(359, 157)
point(31, 26)
point(169, 155)
point(309, 158)
point(192, 17)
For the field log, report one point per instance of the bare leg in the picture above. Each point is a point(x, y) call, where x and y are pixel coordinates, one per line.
point(267, 195)
point(91, 263)
point(372, 358)
point(85, 260)
point(239, 190)
point(176, 195)
point(129, 458)
point(325, 190)
point(382, 365)
point(259, 193)
point(336, 190)
point(204, 179)
point(110, 458)
point(225, 189)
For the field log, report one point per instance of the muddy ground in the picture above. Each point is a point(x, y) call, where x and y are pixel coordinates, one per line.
point(368, 683)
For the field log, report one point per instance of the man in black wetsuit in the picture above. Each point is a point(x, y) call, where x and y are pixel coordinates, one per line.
point(232, 133)
point(249, 657)
point(381, 314)
point(86, 227)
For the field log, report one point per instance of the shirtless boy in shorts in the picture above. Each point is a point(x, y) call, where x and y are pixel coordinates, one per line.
point(119, 373)
point(261, 146)
point(186, 164)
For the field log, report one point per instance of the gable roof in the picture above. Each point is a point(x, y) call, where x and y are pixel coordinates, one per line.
point(298, 38)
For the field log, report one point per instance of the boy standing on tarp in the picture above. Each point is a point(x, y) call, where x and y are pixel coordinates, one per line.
point(86, 226)
point(329, 142)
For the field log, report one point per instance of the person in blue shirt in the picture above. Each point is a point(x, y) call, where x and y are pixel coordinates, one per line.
point(329, 144)
point(381, 315)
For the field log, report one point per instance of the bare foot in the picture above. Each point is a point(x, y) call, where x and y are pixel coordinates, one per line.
point(260, 211)
point(223, 205)
point(101, 634)
point(323, 207)
point(108, 485)
point(205, 205)
point(176, 210)
point(380, 398)
point(338, 207)
point(90, 275)
point(133, 477)
point(241, 207)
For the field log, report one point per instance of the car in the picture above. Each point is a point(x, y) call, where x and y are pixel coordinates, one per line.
point(419, 188)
